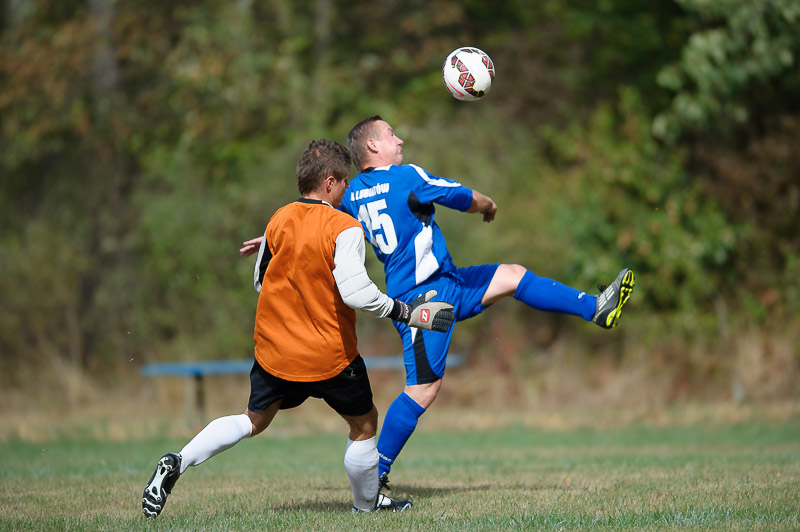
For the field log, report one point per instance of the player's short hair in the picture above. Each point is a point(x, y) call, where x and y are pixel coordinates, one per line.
point(357, 139)
point(321, 158)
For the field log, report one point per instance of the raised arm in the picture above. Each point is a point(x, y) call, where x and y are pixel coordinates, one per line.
point(484, 205)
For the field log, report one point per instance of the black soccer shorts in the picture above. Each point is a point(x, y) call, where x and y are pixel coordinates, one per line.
point(349, 393)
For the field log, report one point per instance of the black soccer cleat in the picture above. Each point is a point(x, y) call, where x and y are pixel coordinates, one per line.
point(384, 503)
point(612, 298)
point(160, 485)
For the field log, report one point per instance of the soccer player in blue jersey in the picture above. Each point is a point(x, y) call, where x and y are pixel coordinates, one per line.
point(395, 204)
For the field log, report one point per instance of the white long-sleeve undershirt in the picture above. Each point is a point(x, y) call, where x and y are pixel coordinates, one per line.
point(357, 289)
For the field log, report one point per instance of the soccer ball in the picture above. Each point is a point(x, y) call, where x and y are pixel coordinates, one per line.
point(468, 73)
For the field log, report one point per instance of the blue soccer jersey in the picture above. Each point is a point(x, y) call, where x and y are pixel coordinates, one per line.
point(395, 205)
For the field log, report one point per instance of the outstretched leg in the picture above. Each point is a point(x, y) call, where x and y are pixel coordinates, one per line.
point(551, 296)
point(540, 293)
point(219, 435)
point(223, 433)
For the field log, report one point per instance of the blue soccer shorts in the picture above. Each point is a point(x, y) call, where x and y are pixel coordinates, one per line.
point(425, 352)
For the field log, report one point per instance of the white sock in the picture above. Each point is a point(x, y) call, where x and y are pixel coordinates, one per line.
point(361, 465)
point(219, 435)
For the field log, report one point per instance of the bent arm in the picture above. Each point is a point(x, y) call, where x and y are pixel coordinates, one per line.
point(357, 289)
point(483, 204)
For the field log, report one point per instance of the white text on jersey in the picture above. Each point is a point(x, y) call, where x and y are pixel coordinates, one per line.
point(380, 188)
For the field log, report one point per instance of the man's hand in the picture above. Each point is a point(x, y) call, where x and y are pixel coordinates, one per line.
point(426, 314)
point(250, 246)
point(483, 204)
point(489, 212)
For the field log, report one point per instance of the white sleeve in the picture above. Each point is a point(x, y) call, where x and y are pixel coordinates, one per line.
point(357, 289)
point(261, 263)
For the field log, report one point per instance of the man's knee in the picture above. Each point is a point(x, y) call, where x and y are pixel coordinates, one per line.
point(261, 420)
point(424, 394)
point(504, 283)
point(512, 273)
point(363, 427)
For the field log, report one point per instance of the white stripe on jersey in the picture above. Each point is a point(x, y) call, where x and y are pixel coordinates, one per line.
point(426, 263)
point(256, 278)
point(435, 182)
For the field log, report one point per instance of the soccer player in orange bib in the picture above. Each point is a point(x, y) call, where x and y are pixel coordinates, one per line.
point(310, 274)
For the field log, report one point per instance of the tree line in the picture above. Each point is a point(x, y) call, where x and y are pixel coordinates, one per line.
point(142, 141)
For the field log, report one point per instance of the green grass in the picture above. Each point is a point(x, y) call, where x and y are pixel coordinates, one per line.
point(738, 477)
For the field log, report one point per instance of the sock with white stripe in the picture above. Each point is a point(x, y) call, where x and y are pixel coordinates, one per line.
point(398, 425)
point(548, 295)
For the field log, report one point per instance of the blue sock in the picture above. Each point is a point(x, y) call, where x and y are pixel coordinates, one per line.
point(398, 425)
point(551, 296)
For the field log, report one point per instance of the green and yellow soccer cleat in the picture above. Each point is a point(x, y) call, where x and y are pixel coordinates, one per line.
point(612, 298)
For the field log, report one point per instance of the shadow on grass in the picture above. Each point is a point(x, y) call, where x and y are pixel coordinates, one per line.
point(313, 506)
point(400, 491)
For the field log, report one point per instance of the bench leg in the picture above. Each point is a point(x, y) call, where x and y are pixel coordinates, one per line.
point(200, 398)
point(194, 399)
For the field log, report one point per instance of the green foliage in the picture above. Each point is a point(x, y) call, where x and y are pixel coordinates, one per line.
point(621, 42)
point(734, 111)
point(740, 66)
point(141, 142)
point(198, 292)
point(623, 200)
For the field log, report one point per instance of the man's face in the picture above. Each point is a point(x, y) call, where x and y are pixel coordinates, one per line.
point(337, 191)
point(388, 145)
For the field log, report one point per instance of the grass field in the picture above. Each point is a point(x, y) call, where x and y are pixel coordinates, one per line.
point(743, 476)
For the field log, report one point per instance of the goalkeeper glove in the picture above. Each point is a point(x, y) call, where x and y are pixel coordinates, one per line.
point(424, 313)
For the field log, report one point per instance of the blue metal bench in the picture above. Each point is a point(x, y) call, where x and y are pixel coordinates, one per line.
point(195, 373)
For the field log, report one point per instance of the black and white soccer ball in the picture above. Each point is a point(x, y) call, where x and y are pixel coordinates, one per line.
point(468, 73)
